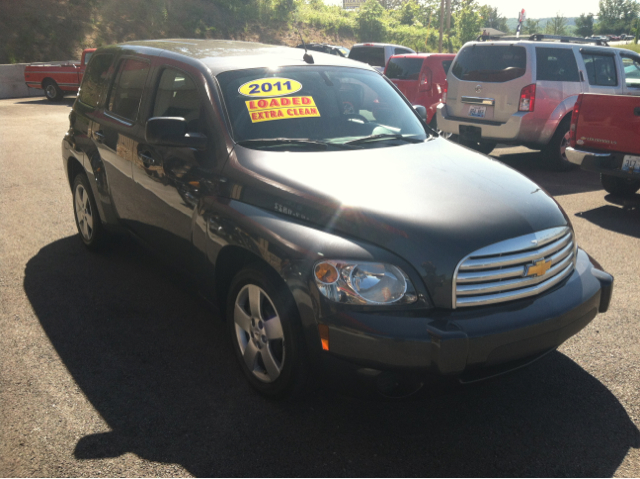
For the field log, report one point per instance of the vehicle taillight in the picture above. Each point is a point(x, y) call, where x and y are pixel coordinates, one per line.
point(527, 98)
point(574, 121)
point(445, 88)
point(425, 80)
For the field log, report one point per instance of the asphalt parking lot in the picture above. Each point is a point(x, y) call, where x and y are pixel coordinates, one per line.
point(110, 364)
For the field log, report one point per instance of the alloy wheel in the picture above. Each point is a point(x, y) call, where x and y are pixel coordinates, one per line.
point(50, 90)
point(84, 213)
point(259, 333)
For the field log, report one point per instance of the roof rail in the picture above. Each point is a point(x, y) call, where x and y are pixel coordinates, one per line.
point(540, 37)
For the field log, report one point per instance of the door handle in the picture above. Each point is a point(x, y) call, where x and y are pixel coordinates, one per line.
point(147, 160)
point(99, 135)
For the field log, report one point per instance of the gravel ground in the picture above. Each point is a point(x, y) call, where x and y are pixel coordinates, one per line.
point(111, 366)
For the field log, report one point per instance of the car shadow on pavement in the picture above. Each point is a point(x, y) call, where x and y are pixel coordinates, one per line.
point(155, 363)
point(67, 100)
point(557, 183)
point(615, 218)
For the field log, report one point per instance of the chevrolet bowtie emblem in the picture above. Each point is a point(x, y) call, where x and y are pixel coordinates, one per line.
point(538, 268)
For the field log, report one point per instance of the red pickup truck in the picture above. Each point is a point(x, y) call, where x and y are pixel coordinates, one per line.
point(57, 79)
point(604, 136)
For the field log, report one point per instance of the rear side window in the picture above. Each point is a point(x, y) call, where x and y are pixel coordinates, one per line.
point(601, 69)
point(404, 68)
point(490, 63)
point(401, 51)
point(374, 56)
point(446, 64)
point(126, 92)
point(556, 64)
point(95, 79)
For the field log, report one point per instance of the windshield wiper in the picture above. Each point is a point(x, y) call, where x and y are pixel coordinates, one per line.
point(384, 136)
point(283, 141)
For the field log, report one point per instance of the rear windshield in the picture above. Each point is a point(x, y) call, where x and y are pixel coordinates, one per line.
point(490, 63)
point(446, 64)
point(332, 105)
point(556, 64)
point(374, 56)
point(404, 68)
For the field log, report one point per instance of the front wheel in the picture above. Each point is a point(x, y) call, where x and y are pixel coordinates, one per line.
point(266, 332)
point(88, 222)
point(619, 186)
point(52, 91)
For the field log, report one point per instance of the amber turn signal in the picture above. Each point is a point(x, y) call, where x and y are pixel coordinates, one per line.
point(326, 273)
point(323, 329)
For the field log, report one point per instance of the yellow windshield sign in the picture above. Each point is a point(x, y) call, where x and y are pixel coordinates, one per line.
point(282, 108)
point(270, 87)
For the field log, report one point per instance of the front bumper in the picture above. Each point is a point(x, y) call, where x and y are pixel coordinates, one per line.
point(453, 342)
point(599, 162)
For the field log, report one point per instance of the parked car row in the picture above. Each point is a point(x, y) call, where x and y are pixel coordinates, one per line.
point(330, 224)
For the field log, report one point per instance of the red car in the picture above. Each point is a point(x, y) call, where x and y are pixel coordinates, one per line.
point(422, 78)
point(57, 79)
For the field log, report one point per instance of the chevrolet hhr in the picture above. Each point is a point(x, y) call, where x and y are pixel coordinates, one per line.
point(328, 222)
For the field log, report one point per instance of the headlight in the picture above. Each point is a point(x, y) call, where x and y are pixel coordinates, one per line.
point(363, 283)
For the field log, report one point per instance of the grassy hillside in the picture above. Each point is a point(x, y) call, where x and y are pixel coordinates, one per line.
point(45, 30)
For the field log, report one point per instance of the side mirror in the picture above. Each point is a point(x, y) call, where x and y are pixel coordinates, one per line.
point(421, 111)
point(172, 131)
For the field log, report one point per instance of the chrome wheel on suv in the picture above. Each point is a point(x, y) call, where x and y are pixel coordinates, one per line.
point(86, 213)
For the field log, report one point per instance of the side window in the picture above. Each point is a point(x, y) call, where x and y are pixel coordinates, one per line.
point(601, 69)
point(126, 92)
point(177, 95)
point(631, 67)
point(556, 64)
point(401, 51)
point(446, 64)
point(95, 79)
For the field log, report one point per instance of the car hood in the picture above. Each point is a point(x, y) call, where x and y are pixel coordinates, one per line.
point(431, 203)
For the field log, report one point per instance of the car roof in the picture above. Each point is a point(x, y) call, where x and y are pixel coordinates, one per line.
point(373, 44)
point(424, 55)
point(225, 55)
point(543, 43)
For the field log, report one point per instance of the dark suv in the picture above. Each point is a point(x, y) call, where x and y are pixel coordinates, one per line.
point(317, 209)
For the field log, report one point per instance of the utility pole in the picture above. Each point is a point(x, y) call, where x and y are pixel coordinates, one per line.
point(448, 17)
point(441, 26)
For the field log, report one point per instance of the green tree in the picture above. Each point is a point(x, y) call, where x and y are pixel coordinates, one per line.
point(371, 27)
point(491, 18)
point(468, 21)
point(617, 16)
point(409, 12)
point(531, 26)
point(556, 25)
point(584, 25)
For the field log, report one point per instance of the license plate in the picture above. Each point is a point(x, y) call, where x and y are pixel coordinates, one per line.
point(631, 164)
point(477, 111)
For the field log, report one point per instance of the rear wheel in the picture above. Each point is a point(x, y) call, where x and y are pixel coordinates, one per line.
point(52, 91)
point(266, 333)
point(619, 186)
point(555, 152)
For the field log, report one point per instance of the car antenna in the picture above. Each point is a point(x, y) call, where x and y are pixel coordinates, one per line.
point(306, 57)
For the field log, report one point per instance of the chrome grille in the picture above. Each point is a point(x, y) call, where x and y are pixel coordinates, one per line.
point(514, 269)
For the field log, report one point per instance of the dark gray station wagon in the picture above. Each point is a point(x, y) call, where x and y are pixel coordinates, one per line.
point(331, 226)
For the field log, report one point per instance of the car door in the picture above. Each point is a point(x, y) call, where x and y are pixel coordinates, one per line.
point(117, 132)
point(602, 72)
point(169, 180)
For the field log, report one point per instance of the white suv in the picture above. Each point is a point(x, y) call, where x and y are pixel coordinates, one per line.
point(522, 92)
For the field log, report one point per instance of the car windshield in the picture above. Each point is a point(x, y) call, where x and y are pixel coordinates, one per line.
point(316, 105)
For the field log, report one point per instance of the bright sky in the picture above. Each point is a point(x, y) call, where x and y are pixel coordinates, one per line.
point(534, 8)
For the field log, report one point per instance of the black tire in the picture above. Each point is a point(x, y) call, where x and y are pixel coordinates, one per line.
point(484, 147)
point(52, 91)
point(288, 354)
point(85, 212)
point(554, 153)
point(619, 186)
